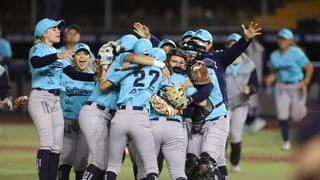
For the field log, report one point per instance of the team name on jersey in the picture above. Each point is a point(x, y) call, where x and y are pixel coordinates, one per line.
point(77, 91)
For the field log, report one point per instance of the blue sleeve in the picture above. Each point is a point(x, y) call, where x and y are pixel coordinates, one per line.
point(38, 62)
point(202, 93)
point(77, 75)
point(154, 40)
point(253, 82)
point(228, 55)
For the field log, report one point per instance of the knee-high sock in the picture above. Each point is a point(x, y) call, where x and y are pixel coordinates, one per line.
point(284, 128)
point(64, 172)
point(235, 153)
point(53, 165)
point(79, 175)
point(43, 157)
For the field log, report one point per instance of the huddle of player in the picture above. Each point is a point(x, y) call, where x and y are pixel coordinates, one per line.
point(106, 108)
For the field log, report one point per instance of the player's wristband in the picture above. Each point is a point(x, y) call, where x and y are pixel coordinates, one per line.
point(159, 64)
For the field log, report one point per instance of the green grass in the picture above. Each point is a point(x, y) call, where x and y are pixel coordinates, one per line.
point(16, 165)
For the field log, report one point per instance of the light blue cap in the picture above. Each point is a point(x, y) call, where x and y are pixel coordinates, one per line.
point(187, 34)
point(72, 26)
point(285, 33)
point(203, 35)
point(165, 42)
point(143, 46)
point(159, 54)
point(45, 24)
point(127, 42)
point(233, 37)
point(81, 46)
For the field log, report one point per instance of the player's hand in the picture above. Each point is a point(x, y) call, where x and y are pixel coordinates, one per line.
point(126, 65)
point(20, 100)
point(66, 55)
point(246, 90)
point(187, 84)
point(7, 103)
point(166, 74)
point(252, 31)
point(304, 90)
point(141, 30)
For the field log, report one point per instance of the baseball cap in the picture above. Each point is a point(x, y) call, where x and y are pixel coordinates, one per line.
point(233, 37)
point(187, 34)
point(167, 42)
point(81, 46)
point(285, 33)
point(127, 42)
point(159, 54)
point(203, 35)
point(143, 46)
point(72, 26)
point(45, 24)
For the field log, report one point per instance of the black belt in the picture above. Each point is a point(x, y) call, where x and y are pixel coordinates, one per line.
point(136, 108)
point(216, 118)
point(291, 82)
point(168, 119)
point(101, 107)
point(55, 92)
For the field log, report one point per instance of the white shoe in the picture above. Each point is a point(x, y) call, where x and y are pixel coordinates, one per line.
point(286, 146)
point(235, 168)
point(257, 125)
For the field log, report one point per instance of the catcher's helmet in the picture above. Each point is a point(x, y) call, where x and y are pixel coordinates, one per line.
point(143, 46)
point(194, 46)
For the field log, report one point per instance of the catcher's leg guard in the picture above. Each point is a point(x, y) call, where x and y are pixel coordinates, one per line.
point(191, 167)
point(208, 167)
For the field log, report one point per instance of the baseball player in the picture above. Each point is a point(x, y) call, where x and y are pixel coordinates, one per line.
point(242, 82)
point(75, 149)
point(132, 116)
point(5, 85)
point(44, 102)
point(168, 131)
point(288, 63)
point(47, 65)
point(167, 45)
point(217, 119)
point(185, 37)
point(72, 36)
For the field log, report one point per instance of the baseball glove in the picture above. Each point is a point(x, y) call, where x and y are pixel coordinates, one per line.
point(198, 73)
point(161, 106)
point(107, 52)
point(176, 97)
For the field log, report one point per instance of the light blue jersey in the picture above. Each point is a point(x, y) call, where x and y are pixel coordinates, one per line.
point(216, 98)
point(137, 88)
point(114, 74)
point(176, 79)
point(47, 77)
point(289, 66)
point(73, 98)
point(107, 99)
